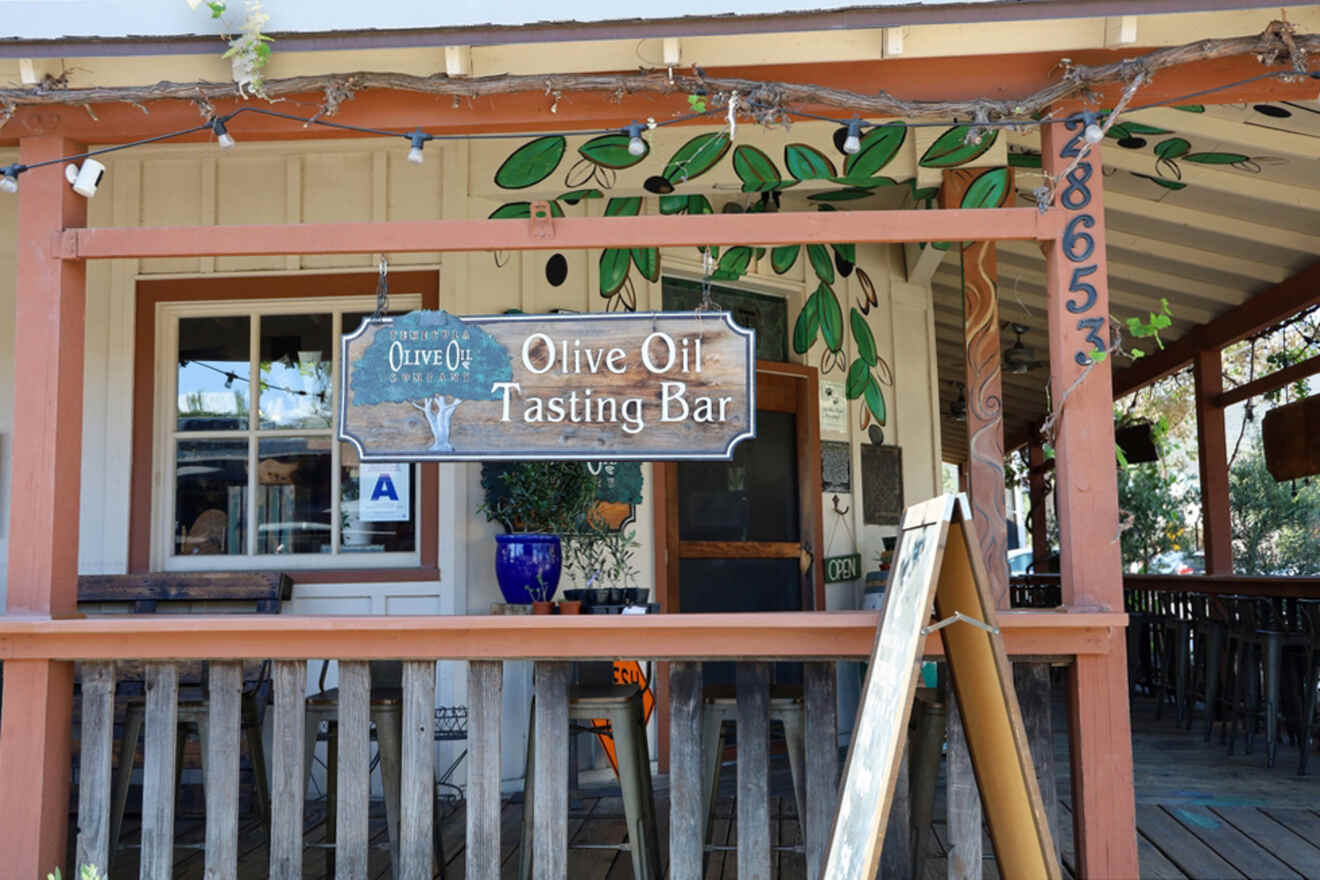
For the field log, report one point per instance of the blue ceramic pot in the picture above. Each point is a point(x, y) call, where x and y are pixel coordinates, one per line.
point(518, 561)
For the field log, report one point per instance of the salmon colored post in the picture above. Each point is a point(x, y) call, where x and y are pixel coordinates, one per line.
point(36, 718)
point(1087, 501)
point(1212, 449)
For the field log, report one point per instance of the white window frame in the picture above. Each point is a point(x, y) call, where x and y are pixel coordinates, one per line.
point(165, 415)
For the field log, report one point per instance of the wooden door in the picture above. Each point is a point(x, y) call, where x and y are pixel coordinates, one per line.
point(745, 535)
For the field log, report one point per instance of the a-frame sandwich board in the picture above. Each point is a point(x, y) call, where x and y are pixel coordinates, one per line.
point(937, 566)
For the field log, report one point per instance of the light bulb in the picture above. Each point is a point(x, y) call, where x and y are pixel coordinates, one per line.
point(9, 184)
point(636, 146)
point(853, 142)
point(418, 140)
point(1093, 133)
point(223, 138)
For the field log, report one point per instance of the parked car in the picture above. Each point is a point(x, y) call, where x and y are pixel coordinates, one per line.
point(1177, 562)
point(1019, 561)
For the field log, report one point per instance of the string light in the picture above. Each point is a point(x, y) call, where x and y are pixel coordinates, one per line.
point(1093, 133)
point(9, 182)
point(636, 146)
point(853, 142)
point(418, 139)
point(223, 138)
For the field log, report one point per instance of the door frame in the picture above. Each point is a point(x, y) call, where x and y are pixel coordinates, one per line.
point(665, 492)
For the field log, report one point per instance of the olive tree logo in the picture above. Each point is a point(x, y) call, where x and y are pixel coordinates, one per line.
point(425, 358)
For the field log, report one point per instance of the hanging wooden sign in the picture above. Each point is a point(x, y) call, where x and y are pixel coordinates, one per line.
point(938, 566)
point(430, 386)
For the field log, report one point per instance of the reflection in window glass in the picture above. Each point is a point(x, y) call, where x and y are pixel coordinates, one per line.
point(213, 374)
point(293, 495)
point(384, 526)
point(296, 363)
point(211, 479)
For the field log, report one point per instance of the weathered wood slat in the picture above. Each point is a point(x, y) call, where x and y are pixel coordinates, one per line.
point(1300, 855)
point(550, 805)
point(158, 771)
point(417, 794)
point(388, 721)
point(1032, 683)
point(185, 586)
point(1182, 847)
point(288, 770)
point(753, 771)
point(964, 803)
point(220, 756)
point(822, 762)
point(353, 773)
point(485, 693)
point(1245, 854)
point(98, 735)
point(687, 821)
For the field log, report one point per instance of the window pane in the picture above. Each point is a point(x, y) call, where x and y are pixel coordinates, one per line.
point(213, 374)
point(210, 497)
point(387, 522)
point(293, 495)
point(296, 361)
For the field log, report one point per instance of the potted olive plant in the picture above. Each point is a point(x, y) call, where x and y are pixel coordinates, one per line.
point(535, 502)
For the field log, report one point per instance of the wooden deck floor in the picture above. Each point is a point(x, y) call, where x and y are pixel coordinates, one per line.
point(1200, 814)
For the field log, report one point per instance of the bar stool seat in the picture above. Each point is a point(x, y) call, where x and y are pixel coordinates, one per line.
point(720, 704)
point(622, 708)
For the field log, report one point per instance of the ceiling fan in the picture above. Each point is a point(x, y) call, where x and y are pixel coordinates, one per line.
point(1020, 358)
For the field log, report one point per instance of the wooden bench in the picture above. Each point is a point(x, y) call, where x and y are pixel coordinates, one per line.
point(268, 589)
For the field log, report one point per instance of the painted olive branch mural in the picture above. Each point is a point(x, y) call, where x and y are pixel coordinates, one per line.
point(856, 176)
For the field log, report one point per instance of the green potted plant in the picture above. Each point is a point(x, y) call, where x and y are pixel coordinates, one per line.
point(535, 502)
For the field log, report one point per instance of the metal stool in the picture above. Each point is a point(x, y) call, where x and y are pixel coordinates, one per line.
point(192, 712)
point(719, 707)
point(622, 708)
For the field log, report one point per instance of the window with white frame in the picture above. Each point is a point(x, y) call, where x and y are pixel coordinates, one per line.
point(246, 423)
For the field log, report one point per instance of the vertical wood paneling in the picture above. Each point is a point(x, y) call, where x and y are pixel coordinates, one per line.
point(485, 687)
point(337, 187)
point(1032, 683)
point(207, 209)
point(253, 189)
point(416, 192)
point(220, 747)
point(98, 734)
point(754, 771)
point(288, 769)
point(353, 778)
point(158, 771)
point(963, 803)
point(293, 202)
point(550, 806)
point(687, 821)
point(822, 760)
point(417, 784)
point(171, 196)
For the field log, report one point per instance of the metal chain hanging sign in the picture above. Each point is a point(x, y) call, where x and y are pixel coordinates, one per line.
point(431, 386)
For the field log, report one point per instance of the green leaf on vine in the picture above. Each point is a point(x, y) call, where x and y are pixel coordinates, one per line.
point(614, 263)
point(783, 258)
point(805, 162)
point(951, 148)
point(862, 335)
point(831, 317)
point(808, 323)
point(859, 375)
point(821, 262)
point(531, 163)
point(611, 151)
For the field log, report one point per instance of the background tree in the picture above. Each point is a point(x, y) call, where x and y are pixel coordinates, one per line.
point(1151, 511)
point(468, 365)
point(1276, 526)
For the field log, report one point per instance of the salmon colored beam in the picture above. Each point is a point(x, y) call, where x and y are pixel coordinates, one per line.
point(563, 233)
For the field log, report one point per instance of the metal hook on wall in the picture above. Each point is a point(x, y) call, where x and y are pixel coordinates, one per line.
point(840, 511)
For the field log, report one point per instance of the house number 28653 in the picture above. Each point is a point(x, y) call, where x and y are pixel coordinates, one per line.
point(1079, 245)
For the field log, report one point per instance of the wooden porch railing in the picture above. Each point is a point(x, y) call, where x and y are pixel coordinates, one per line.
point(1043, 590)
point(163, 642)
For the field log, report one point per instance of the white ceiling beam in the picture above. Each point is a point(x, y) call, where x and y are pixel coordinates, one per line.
point(1120, 30)
point(1168, 212)
point(1178, 253)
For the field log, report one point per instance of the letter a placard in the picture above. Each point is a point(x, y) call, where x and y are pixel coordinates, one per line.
point(431, 386)
point(938, 566)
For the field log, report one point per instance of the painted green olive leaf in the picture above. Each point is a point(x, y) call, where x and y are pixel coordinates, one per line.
point(521, 211)
point(647, 261)
point(851, 194)
point(673, 204)
point(1120, 130)
point(574, 196)
point(862, 336)
point(1024, 160)
point(1172, 148)
point(1167, 184)
point(821, 262)
point(624, 207)
point(1190, 108)
point(783, 258)
point(699, 205)
point(951, 148)
point(1216, 158)
point(696, 157)
point(878, 148)
point(733, 264)
point(859, 375)
point(614, 263)
point(925, 193)
point(611, 151)
point(805, 162)
point(988, 190)
point(531, 163)
point(755, 169)
point(875, 401)
point(831, 317)
point(847, 251)
point(808, 324)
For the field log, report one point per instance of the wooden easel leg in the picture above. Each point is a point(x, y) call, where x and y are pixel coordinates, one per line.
point(1104, 814)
